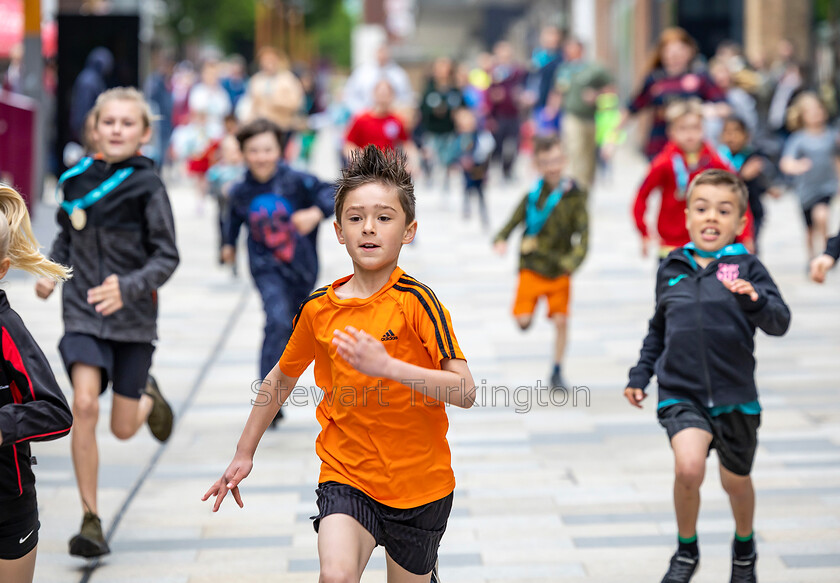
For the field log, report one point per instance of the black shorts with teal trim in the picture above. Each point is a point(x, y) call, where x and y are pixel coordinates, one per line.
point(411, 536)
point(734, 434)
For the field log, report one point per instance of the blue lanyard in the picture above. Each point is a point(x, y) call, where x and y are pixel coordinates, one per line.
point(94, 195)
point(681, 173)
point(737, 160)
point(733, 249)
point(535, 218)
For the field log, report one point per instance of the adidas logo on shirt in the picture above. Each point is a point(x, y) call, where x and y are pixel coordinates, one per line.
point(389, 335)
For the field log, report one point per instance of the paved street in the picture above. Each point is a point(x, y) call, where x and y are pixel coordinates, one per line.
point(576, 491)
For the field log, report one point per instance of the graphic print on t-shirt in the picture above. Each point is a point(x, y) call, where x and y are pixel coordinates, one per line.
point(269, 220)
point(391, 129)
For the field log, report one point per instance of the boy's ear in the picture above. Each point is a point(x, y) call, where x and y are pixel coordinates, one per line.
point(742, 224)
point(338, 232)
point(410, 232)
point(5, 264)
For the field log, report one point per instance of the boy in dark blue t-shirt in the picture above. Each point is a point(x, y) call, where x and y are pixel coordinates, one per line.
point(282, 208)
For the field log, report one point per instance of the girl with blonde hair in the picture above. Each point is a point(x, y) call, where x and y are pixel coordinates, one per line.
point(32, 407)
point(117, 231)
point(810, 155)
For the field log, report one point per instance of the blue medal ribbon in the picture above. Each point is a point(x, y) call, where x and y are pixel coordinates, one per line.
point(681, 174)
point(94, 195)
point(737, 160)
point(535, 218)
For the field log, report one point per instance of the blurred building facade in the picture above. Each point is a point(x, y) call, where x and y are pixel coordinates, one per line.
point(619, 33)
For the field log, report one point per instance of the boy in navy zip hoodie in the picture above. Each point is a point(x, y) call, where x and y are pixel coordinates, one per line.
point(711, 295)
point(282, 208)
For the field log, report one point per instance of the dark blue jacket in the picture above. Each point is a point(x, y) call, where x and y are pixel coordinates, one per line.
point(701, 338)
point(87, 87)
point(833, 247)
point(266, 208)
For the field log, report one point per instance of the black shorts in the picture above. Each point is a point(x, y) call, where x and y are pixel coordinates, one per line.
point(808, 211)
point(19, 531)
point(411, 536)
point(734, 435)
point(125, 364)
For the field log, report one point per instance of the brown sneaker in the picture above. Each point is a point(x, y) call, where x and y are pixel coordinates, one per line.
point(90, 542)
point(161, 417)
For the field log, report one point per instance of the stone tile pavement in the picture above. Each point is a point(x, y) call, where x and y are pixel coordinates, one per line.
point(576, 491)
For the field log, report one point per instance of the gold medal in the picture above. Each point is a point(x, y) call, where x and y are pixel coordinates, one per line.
point(78, 218)
point(529, 245)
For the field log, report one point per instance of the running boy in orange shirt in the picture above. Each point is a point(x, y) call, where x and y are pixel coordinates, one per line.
point(553, 246)
point(386, 476)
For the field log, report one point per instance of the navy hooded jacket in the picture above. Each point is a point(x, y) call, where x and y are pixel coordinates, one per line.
point(700, 341)
point(267, 207)
point(87, 87)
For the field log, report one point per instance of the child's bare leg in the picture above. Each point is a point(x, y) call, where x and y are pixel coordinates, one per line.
point(87, 381)
point(20, 570)
point(344, 548)
point(561, 324)
point(819, 214)
point(397, 574)
point(809, 242)
point(742, 499)
point(691, 445)
point(128, 415)
point(523, 320)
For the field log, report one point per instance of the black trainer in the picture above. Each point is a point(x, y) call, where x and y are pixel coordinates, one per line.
point(743, 569)
point(557, 381)
point(681, 569)
point(90, 542)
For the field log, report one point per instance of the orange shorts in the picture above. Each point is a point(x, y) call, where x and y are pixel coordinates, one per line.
point(533, 286)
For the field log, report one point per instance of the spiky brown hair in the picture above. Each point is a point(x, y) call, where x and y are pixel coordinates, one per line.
point(375, 165)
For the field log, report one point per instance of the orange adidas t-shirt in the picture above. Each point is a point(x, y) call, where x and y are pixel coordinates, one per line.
point(378, 435)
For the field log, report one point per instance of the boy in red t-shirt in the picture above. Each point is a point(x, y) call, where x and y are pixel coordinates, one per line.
point(386, 474)
point(684, 156)
point(380, 126)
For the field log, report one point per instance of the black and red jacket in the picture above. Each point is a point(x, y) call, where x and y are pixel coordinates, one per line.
point(32, 408)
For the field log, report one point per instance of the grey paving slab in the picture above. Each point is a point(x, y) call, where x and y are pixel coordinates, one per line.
point(811, 561)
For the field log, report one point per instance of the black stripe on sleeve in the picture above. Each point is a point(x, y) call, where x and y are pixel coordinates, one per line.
point(316, 294)
point(429, 312)
point(410, 281)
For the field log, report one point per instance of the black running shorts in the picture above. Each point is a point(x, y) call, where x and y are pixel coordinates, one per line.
point(411, 536)
point(734, 435)
point(125, 364)
point(19, 529)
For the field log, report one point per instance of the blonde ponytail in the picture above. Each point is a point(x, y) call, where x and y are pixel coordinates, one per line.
point(18, 243)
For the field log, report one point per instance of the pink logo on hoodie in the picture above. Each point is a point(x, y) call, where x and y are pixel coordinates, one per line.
point(727, 271)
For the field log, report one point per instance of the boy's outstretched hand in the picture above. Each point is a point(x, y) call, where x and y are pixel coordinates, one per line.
point(237, 471)
point(362, 351)
point(820, 266)
point(500, 247)
point(740, 286)
point(635, 396)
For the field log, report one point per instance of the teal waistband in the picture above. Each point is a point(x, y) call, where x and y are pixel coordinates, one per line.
point(751, 408)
